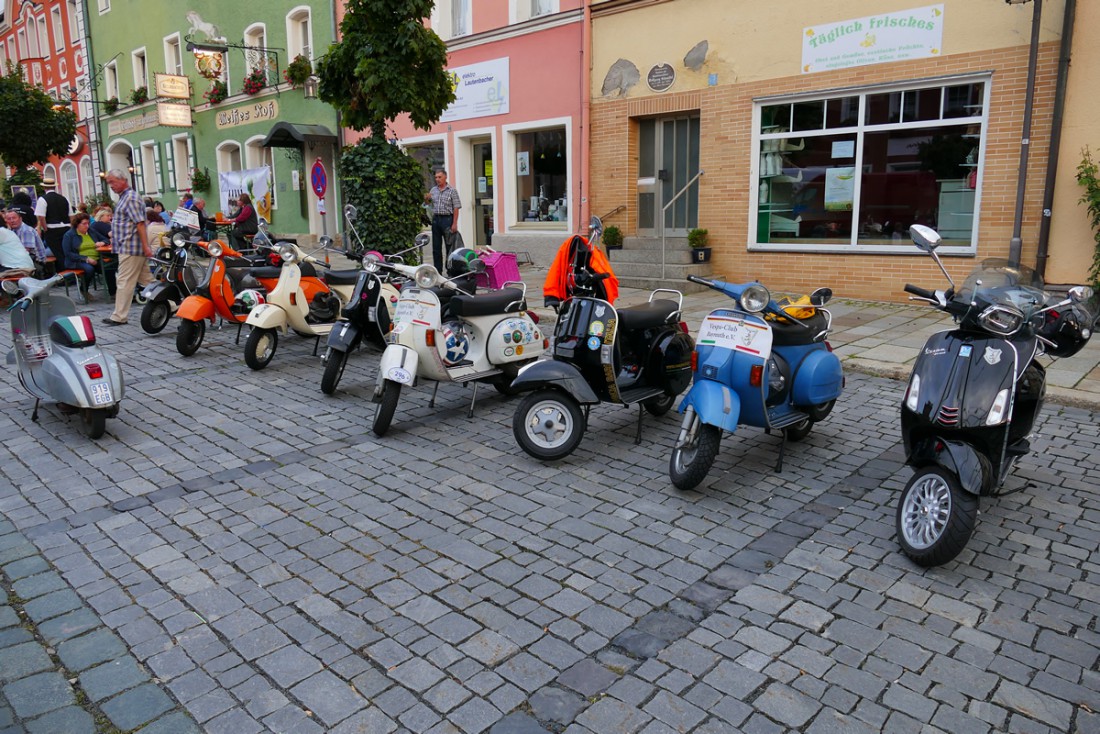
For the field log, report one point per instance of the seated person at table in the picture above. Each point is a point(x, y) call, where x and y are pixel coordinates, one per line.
point(155, 228)
point(13, 256)
point(244, 223)
point(79, 245)
point(101, 223)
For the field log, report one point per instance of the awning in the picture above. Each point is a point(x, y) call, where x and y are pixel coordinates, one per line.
point(291, 135)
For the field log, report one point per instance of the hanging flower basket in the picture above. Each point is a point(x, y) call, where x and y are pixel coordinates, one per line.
point(255, 81)
point(298, 71)
point(216, 93)
point(200, 180)
point(140, 95)
point(111, 105)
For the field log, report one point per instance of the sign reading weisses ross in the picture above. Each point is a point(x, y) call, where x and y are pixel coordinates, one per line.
point(480, 90)
point(875, 39)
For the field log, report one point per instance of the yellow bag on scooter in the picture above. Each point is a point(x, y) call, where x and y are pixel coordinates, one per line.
point(797, 308)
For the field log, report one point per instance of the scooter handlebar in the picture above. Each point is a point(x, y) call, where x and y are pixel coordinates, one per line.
point(921, 292)
point(700, 281)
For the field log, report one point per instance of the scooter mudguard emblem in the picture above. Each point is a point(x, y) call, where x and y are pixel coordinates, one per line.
point(992, 356)
point(714, 403)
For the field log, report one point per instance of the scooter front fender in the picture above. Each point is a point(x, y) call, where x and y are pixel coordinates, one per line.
point(267, 316)
point(344, 336)
point(161, 291)
point(544, 372)
point(714, 403)
point(957, 457)
point(196, 308)
point(398, 364)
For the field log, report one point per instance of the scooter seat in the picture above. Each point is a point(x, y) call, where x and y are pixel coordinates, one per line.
point(232, 261)
point(792, 334)
point(647, 315)
point(509, 300)
point(341, 277)
point(266, 272)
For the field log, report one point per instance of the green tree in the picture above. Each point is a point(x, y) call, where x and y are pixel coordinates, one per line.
point(384, 184)
point(387, 64)
point(31, 130)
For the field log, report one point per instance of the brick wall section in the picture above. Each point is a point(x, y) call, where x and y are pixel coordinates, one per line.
point(726, 156)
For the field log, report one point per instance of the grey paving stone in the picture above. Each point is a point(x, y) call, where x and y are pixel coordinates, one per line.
point(369, 721)
point(52, 604)
point(23, 660)
point(417, 674)
point(137, 706)
point(489, 647)
point(608, 716)
point(68, 625)
point(98, 646)
point(474, 716)
point(786, 705)
point(70, 720)
point(588, 678)
point(37, 694)
point(330, 698)
point(110, 678)
point(517, 723)
point(289, 665)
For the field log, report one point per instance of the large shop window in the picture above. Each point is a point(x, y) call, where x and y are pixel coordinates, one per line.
point(853, 172)
point(542, 178)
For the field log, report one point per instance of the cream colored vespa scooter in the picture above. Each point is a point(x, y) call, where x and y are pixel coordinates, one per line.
point(305, 300)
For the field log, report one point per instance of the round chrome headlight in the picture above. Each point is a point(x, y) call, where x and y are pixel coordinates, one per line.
point(1001, 320)
point(179, 239)
point(425, 276)
point(287, 253)
point(755, 298)
point(371, 263)
point(215, 249)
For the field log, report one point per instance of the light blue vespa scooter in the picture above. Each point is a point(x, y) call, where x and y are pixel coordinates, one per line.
point(757, 363)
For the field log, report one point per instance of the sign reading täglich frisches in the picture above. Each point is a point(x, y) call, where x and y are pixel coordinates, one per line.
point(875, 39)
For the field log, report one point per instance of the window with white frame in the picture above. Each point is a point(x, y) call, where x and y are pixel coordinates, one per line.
point(58, 30)
point(257, 156)
point(104, 6)
point(21, 39)
point(181, 158)
point(299, 33)
point(43, 37)
point(229, 157)
point(71, 7)
point(256, 53)
point(173, 56)
point(87, 178)
point(852, 171)
point(3, 58)
point(70, 182)
point(460, 18)
point(141, 69)
point(541, 177)
point(110, 79)
point(150, 169)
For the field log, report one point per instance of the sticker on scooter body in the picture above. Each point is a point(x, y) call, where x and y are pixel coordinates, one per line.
point(400, 374)
point(101, 393)
point(739, 334)
point(964, 351)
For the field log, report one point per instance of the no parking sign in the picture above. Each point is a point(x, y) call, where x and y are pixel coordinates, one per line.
point(319, 179)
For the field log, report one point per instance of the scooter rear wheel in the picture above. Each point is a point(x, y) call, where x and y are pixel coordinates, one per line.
point(334, 370)
point(691, 462)
point(935, 517)
point(659, 405)
point(189, 336)
point(155, 316)
point(391, 393)
point(260, 347)
point(548, 424)
point(95, 421)
point(799, 431)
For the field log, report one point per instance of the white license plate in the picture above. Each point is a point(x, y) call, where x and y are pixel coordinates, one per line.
point(101, 393)
point(400, 374)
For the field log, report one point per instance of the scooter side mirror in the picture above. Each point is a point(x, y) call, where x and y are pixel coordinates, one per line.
point(821, 296)
point(350, 212)
point(595, 226)
point(325, 241)
point(1077, 294)
point(925, 237)
point(477, 265)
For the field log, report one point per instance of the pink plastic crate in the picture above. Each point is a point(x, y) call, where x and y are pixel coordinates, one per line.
point(500, 268)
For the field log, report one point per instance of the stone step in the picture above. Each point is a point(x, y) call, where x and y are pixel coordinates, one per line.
point(672, 271)
point(681, 255)
point(654, 243)
point(649, 284)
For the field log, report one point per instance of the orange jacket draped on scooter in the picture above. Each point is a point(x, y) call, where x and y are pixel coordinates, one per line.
point(558, 281)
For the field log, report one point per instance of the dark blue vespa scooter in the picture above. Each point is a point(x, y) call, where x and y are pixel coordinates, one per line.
point(757, 363)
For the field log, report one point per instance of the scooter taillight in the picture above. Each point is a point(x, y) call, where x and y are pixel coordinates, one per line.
point(695, 361)
point(95, 372)
point(828, 346)
point(684, 327)
point(534, 316)
point(429, 337)
point(756, 375)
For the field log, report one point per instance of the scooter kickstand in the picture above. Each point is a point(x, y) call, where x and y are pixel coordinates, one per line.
point(473, 400)
point(638, 432)
point(34, 415)
point(782, 446)
point(316, 343)
point(431, 403)
point(240, 326)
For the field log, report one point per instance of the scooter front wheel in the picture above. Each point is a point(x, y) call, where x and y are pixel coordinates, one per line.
point(189, 336)
point(260, 347)
point(334, 370)
point(548, 424)
point(691, 461)
point(391, 393)
point(95, 421)
point(935, 517)
point(154, 316)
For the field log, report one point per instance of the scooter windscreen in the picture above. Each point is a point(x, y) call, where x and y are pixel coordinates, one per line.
point(1001, 297)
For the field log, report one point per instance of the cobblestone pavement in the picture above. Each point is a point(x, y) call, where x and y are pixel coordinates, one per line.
point(240, 554)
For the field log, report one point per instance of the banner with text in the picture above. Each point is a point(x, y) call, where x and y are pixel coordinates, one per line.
point(480, 90)
point(875, 39)
point(256, 182)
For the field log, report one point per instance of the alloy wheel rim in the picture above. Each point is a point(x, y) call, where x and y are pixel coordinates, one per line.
point(926, 511)
point(549, 424)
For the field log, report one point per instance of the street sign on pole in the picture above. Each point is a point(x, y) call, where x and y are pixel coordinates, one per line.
point(319, 179)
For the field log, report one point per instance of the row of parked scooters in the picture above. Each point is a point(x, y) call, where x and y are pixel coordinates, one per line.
point(967, 414)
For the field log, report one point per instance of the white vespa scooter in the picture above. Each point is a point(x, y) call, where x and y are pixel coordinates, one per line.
point(56, 354)
point(443, 332)
point(302, 300)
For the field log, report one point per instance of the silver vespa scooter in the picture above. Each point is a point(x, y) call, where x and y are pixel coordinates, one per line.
point(56, 354)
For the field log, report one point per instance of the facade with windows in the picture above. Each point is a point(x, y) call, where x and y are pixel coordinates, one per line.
point(47, 39)
point(512, 141)
point(237, 119)
point(807, 138)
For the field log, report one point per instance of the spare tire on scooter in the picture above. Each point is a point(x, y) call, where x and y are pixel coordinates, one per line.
point(324, 308)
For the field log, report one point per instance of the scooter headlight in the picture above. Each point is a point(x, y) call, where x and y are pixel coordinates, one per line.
point(1001, 320)
point(912, 396)
point(215, 249)
point(425, 276)
point(755, 298)
point(371, 262)
point(287, 253)
point(1000, 407)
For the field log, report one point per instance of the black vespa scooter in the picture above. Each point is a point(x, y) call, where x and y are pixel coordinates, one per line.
point(176, 276)
point(640, 354)
point(975, 394)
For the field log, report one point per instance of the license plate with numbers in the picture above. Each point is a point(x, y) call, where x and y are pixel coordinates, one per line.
point(101, 393)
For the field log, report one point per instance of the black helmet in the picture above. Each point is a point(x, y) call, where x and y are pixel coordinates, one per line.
point(458, 263)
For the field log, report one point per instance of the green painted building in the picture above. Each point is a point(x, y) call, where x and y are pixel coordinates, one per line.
point(179, 55)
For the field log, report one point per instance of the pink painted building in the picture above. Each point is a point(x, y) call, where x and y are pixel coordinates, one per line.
point(514, 141)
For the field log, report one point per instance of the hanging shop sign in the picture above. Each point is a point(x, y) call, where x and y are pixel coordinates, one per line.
point(660, 77)
point(174, 115)
point(874, 39)
point(481, 90)
point(173, 86)
point(247, 114)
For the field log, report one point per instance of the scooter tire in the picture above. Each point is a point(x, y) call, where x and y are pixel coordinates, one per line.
point(821, 411)
point(155, 316)
point(260, 347)
point(935, 517)
point(548, 424)
point(383, 416)
point(690, 464)
point(138, 298)
point(334, 370)
point(659, 405)
point(799, 431)
point(95, 422)
point(189, 336)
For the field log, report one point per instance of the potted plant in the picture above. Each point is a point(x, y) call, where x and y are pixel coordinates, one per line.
point(200, 180)
point(111, 105)
point(255, 80)
point(298, 71)
point(613, 238)
point(697, 240)
point(140, 95)
point(216, 93)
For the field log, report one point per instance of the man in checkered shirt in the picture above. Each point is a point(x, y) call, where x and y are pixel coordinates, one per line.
point(130, 242)
point(445, 205)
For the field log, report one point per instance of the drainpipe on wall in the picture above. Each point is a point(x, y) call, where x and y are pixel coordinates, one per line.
point(1016, 244)
point(1055, 136)
point(586, 103)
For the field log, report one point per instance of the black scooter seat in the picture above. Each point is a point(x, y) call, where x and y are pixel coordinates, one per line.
point(647, 315)
point(232, 261)
point(267, 271)
point(509, 300)
point(341, 277)
point(791, 334)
